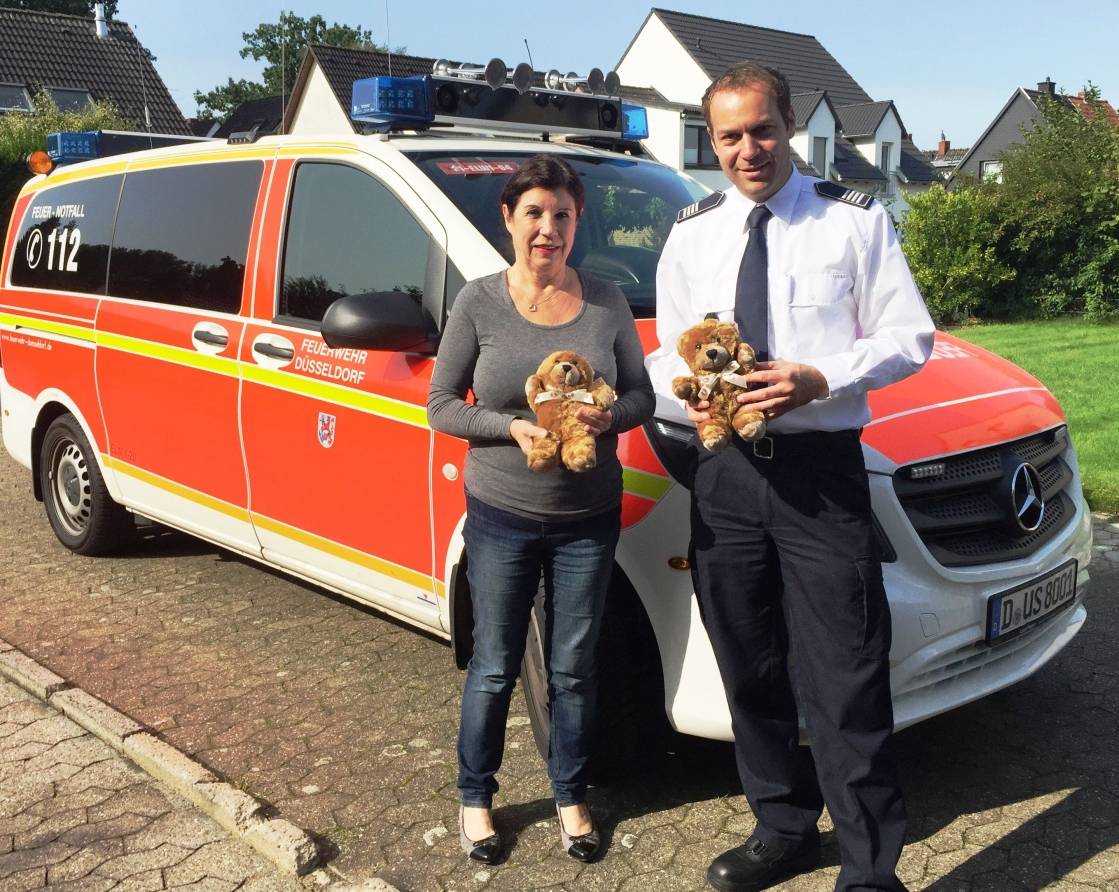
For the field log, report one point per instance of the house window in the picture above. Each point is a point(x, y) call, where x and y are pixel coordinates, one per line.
point(990, 171)
point(887, 148)
point(820, 155)
point(13, 97)
point(70, 100)
point(697, 147)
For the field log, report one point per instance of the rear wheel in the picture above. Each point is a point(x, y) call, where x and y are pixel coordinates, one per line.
point(82, 514)
point(631, 726)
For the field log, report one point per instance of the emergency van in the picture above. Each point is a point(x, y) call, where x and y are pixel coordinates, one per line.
point(236, 340)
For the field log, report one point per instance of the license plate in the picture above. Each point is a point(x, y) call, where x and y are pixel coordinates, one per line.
point(1010, 612)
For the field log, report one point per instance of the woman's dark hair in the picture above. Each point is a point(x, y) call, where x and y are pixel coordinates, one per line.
point(543, 172)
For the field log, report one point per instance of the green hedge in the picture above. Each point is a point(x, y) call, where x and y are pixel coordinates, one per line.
point(1042, 243)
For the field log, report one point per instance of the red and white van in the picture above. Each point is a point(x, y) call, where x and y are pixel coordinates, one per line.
point(162, 352)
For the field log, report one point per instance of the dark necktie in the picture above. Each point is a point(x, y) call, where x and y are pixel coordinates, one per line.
point(751, 297)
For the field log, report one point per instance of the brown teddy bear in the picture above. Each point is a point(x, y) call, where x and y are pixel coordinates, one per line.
point(718, 360)
point(564, 382)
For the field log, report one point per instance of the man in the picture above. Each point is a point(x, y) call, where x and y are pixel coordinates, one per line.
point(783, 550)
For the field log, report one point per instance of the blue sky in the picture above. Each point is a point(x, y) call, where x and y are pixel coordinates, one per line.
point(948, 65)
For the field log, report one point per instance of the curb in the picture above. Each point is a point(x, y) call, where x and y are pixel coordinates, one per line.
point(280, 841)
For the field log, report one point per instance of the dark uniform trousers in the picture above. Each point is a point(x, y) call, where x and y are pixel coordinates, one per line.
point(790, 588)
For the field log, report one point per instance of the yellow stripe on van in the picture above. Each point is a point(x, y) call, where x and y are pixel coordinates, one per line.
point(77, 332)
point(409, 413)
point(179, 355)
point(183, 492)
point(641, 483)
point(379, 565)
point(386, 568)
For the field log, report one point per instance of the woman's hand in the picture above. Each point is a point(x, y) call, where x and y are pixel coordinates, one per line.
point(525, 433)
point(596, 421)
point(697, 411)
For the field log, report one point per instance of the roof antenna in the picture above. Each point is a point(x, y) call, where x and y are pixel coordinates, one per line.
point(527, 50)
point(388, 36)
point(144, 94)
point(283, 76)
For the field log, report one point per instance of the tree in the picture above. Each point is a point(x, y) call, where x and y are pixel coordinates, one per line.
point(281, 45)
point(21, 134)
point(1059, 197)
point(70, 7)
point(1044, 241)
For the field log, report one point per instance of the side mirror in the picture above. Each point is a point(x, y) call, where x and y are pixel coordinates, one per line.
point(381, 320)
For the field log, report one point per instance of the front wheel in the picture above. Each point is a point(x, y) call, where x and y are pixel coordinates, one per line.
point(631, 726)
point(82, 514)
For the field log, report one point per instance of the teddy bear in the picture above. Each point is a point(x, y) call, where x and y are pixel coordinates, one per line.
point(719, 360)
point(564, 382)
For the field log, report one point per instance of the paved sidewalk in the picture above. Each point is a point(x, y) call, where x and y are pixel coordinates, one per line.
point(345, 723)
point(75, 815)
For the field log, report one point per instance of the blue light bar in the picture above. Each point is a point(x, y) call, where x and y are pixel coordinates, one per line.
point(387, 100)
point(69, 147)
point(635, 121)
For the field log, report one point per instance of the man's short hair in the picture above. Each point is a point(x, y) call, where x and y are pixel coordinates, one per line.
point(742, 75)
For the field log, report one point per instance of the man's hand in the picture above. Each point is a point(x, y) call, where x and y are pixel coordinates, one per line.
point(787, 386)
point(697, 411)
point(596, 421)
point(524, 432)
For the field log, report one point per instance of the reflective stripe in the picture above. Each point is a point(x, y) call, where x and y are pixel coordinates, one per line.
point(408, 413)
point(345, 552)
point(184, 492)
point(59, 328)
point(179, 355)
point(643, 484)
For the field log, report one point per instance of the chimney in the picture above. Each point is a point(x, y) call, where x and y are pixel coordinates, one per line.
point(1047, 87)
point(99, 22)
point(943, 146)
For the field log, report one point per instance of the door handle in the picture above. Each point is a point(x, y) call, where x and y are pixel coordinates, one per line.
point(212, 338)
point(272, 351)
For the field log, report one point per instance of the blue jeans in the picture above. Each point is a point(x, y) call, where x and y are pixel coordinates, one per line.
point(506, 556)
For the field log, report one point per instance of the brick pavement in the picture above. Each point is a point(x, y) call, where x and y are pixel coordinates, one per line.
point(75, 815)
point(344, 721)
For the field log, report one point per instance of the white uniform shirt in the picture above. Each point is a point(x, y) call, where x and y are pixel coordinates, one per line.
point(841, 297)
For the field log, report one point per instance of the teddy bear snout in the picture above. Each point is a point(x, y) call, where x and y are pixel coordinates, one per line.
point(570, 374)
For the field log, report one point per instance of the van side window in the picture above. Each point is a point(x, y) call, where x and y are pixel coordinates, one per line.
point(63, 241)
point(347, 234)
point(183, 233)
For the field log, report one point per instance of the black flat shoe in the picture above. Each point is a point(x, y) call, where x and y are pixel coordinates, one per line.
point(584, 847)
point(757, 865)
point(486, 851)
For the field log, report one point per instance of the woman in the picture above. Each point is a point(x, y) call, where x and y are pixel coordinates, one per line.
point(521, 524)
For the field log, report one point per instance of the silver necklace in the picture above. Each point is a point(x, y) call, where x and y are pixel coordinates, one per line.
point(532, 306)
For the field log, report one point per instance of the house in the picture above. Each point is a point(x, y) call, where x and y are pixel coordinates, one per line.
point(1022, 110)
point(944, 158)
point(77, 60)
point(257, 116)
point(842, 134)
point(320, 98)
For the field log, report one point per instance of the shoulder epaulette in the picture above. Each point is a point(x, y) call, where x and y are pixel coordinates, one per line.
point(842, 193)
point(704, 204)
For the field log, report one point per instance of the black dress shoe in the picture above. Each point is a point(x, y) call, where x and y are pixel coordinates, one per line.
point(584, 847)
point(759, 865)
point(485, 851)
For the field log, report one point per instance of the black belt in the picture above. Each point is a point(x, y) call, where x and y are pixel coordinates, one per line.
point(809, 443)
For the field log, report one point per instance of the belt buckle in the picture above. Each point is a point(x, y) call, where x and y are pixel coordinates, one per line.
point(763, 447)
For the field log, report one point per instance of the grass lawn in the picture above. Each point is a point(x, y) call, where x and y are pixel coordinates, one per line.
point(1077, 362)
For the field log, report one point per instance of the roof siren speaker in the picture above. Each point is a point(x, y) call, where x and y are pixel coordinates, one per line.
point(495, 72)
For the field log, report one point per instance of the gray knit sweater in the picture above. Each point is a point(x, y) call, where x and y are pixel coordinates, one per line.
point(490, 348)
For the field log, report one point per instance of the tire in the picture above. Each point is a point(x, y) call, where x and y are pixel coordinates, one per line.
point(631, 725)
point(82, 514)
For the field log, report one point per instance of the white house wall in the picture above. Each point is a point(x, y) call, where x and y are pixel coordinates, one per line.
point(821, 124)
point(888, 131)
point(656, 59)
point(666, 136)
point(319, 111)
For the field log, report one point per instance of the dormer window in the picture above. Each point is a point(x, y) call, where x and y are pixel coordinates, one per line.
point(820, 155)
point(13, 97)
point(887, 149)
point(697, 146)
point(70, 100)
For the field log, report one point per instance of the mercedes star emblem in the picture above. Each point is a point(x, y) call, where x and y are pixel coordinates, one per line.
point(1026, 497)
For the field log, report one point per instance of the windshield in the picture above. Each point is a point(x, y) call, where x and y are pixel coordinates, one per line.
point(630, 208)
